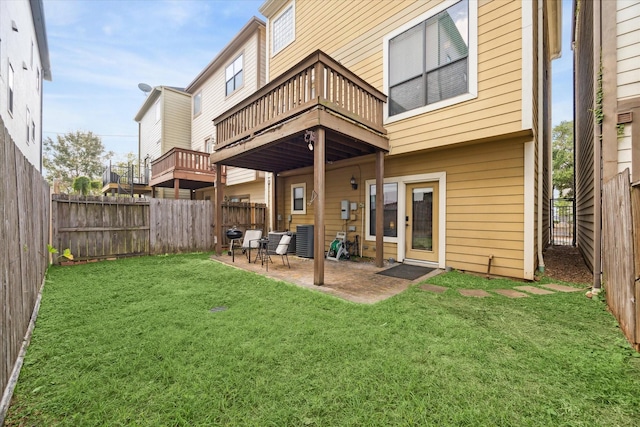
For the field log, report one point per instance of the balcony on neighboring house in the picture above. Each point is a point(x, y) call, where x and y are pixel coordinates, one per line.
point(125, 180)
point(179, 168)
point(266, 131)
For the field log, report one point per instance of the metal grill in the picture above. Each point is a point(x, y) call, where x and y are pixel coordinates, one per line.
point(562, 221)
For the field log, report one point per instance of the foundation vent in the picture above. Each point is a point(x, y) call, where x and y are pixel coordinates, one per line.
point(625, 117)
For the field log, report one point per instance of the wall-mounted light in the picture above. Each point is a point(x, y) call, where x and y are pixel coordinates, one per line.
point(354, 184)
point(309, 138)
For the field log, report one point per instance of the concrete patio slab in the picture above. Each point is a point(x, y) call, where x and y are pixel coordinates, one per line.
point(477, 293)
point(354, 281)
point(510, 293)
point(433, 288)
point(534, 290)
point(561, 288)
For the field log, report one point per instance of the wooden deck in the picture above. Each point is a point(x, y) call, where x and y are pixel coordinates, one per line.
point(181, 168)
point(317, 92)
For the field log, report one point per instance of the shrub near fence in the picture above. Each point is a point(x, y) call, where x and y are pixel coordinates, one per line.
point(24, 234)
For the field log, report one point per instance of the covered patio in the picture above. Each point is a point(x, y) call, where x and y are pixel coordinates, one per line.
point(316, 113)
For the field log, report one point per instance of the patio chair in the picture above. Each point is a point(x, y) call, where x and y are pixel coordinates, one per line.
point(250, 241)
point(281, 249)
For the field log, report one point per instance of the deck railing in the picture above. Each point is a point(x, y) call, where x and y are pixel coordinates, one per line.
point(129, 174)
point(184, 160)
point(317, 80)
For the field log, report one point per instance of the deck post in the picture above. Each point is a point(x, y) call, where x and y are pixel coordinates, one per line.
point(318, 207)
point(217, 220)
point(380, 208)
point(176, 188)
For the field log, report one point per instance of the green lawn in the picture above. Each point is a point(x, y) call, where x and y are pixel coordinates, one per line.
point(133, 342)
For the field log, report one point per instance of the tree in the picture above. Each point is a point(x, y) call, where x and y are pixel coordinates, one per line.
point(73, 155)
point(563, 158)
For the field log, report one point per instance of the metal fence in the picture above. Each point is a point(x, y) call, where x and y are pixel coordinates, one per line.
point(562, 222)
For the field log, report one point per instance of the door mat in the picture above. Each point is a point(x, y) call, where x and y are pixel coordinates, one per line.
point(406, 271)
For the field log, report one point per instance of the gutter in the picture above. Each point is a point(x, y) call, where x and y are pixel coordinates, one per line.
point(541, 126)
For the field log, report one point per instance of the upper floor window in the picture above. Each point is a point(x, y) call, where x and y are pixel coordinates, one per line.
point(208, 145)
point(298, 198)
point(10, 86)
point(284, 29)
point(28, 124)
point(197, 104)
point(233, 75)
point(38, 79)
point(31, 60)
point(33, 131)
point(157, 110)
point(434, 60)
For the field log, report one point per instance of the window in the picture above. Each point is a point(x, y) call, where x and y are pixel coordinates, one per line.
point(157, 109)
point(197, 104)
point(284, 29)
point(208, 145)
point(233, 75)
point(298, 198)
point(433, 60)
point(28, 123)
point(31, 61)
point(38, 79)
point(33, 131)
point(390, 209)
point(10, 96)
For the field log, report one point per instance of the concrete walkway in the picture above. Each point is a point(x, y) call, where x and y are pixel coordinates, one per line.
point(355, 281)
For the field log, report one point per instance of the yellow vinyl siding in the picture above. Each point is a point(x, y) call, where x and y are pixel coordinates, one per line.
point(254, 189)
point(176, 119)
point(240, 175)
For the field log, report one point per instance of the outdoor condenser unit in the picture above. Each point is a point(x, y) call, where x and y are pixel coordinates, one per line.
point(304, 241)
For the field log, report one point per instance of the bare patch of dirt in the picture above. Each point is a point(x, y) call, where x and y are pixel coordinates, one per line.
point(565, 263)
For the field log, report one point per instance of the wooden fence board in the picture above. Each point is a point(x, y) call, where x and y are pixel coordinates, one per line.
point(618, 266)
point(24, 233)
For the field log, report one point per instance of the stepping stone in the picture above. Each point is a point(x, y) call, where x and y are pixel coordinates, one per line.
point(561, 288)
point(534, 290)
point(433, 288)
point(477, 293)
point(510, 293)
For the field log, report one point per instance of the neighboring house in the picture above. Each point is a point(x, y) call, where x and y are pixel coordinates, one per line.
point(236, 72)
point(24, 64)
point(441, 108)
point(164, 145)
point(606, 41)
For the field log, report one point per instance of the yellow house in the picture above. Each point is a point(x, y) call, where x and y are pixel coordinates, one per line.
point(444, 105)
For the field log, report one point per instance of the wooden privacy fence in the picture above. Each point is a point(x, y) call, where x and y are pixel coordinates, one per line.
point(621, 253)
point(96, 227)
point(24, 234)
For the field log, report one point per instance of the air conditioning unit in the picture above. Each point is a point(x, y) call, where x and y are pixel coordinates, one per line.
point(274, 239)
point(304, 241)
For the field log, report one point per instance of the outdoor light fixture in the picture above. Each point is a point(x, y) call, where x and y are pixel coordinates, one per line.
point(354, 184)
point(309, 138)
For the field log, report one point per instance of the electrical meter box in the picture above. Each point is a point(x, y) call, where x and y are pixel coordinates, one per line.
point(344, 209)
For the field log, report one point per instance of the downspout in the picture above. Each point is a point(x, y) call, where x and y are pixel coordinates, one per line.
point(541, 134)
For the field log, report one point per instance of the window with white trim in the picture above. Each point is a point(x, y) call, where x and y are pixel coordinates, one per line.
point(31, 60)
point(434, 60)
point(390, 203)
point(33, 131)
point(38, 80)
point(208, 145)
point(197, 103)
point(10, 86)
point(234, 75)
point(299, 198)
point(284, 29)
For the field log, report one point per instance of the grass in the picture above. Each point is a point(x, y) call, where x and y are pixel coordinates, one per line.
point(133, 342)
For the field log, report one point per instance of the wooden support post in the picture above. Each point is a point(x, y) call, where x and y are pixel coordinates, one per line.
point(217, 220)
point(318, 207)
point(176, 188)
point(379, 208)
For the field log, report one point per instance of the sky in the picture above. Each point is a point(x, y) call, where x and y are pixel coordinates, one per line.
point(101, 50)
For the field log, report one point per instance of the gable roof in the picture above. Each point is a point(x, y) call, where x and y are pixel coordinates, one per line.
point(225, 54)
point(153, 96)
